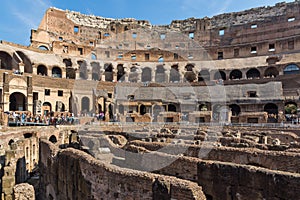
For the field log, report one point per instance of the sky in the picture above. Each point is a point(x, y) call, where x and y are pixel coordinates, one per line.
point(18, 17)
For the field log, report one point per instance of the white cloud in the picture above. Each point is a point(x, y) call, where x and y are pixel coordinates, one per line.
point(29, 12)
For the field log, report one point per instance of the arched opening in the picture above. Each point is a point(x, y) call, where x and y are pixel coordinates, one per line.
point(93, 56)
point(160, 74)
point(108, 72)
point(290, 111)
point(120, 73)
point(60, 106)
point(82, 69)
point(235, 74)
point(68, 62)
point(172, 108)
point(11, 142)
point(17, 102)
point(146, 74)
point(220, 75)
point(111, 111)
point(189, 75)
point(6, 61)
point(203, 75)
point(85, 105)
point(133, 76)
point(253, 73)
point(174, 74)
point(143, 109)
point(235, 109)
point(56, 72)
point(271, 72)
point(291, 69)
point(44, 48)
point(70, 73)
point(203, 107)
point(47, 108)
point(95, 71)
point(53, 139)
point(272, 110)
point(42, 70)
point(26, 61)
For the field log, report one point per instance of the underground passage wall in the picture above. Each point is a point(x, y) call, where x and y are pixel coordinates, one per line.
point(73, 174)
point(221, 180)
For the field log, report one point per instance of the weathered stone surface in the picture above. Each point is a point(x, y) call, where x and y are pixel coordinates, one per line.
point(23, 191)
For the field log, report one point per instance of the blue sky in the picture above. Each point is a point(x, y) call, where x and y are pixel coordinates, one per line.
point(18, 17)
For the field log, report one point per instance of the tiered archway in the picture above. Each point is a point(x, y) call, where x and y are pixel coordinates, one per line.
point(17, 102)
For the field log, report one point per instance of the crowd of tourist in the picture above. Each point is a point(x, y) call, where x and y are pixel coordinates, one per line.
point(23, 118)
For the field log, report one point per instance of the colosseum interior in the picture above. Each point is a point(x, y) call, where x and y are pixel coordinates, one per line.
point(122, 109)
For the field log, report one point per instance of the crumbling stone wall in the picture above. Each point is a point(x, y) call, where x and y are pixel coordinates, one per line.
point(223, 180)
point(248, 156)
point(24, 191)
point(72, 174)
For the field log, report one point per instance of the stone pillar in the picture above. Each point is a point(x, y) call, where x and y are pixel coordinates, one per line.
point(49, 72)
point(29, 94)
point(167, 75)
point(34, 69)
point(64, 73)
point(21, 67)
point(5, 91)
point(152, 75)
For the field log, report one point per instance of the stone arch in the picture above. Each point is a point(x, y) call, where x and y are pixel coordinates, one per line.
point(235, 74)
point(120, 73)
point(220, 75)
point(83, 72)
point(26, 61)
point(133, 75)
point(11, 141)
point(42, 70)
point(204, 107)
point(235, 109)
point(203, 75)
point(43, 47)
point(189, 75)
point(85, 105)
point(93, 56)
point(96, 74)
point(108, 67)
point(174, 74)
point(17, 102)
point(143, 109)
point(160, 75)
point(272, 110)
point(68, 62)
point(111, 111)
point(253, 73)
point(60, 106)
point(47, 108)
point(56, 72)
point(291, 69)
point(271, 72)
point(146, 74)
point(172, 108)
point(53, 139)
point(70, 71)
point(6, 60)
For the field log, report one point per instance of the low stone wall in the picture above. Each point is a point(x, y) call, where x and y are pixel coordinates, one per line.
point(222, 180)
point(73, 174)
point(248, 156)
